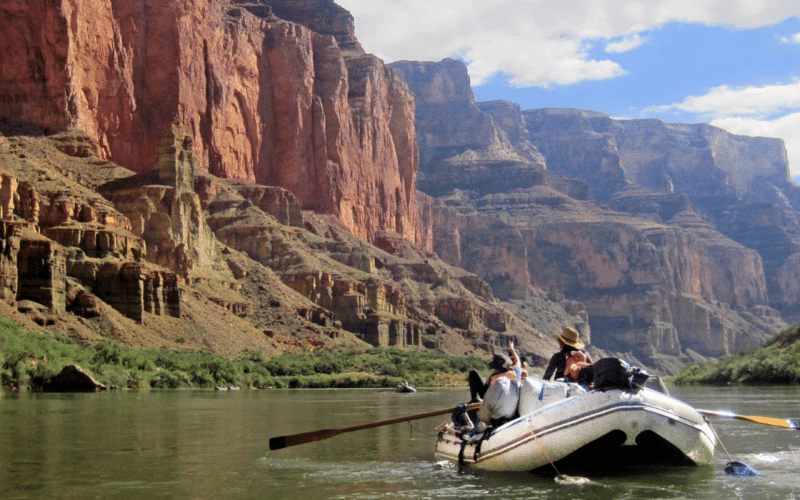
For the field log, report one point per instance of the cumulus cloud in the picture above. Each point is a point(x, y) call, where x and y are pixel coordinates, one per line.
point(725, 101)
point(537, 42)
point(791, 39)
point(536, 64)
point(625, 44)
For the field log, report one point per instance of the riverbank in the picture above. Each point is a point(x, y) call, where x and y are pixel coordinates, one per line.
point(28, 361)
point(776, 362)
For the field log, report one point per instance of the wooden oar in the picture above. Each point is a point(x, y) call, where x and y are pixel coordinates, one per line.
point(788, 423)
point(279, 442)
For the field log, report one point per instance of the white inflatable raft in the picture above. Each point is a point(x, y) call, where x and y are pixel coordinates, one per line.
point(590, 429)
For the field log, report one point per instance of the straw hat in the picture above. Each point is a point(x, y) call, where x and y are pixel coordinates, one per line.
point(570, 337)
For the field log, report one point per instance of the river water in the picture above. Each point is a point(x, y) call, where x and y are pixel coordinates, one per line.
point(213, 445)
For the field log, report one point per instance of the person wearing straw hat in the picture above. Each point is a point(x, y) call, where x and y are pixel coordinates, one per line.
point(569, 341)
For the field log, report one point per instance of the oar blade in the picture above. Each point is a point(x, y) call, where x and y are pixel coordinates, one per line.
point(787, 423)
point(737, 468)
point(777, 422)
point(280, 442)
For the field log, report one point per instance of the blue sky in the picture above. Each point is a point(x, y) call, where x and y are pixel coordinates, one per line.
point(732, 63)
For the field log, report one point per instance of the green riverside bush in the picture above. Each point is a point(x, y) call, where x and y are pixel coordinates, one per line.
point(28, 360)
point(776, 362)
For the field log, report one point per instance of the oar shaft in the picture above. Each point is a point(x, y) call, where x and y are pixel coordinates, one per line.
point(418, 416)
point(276, 443)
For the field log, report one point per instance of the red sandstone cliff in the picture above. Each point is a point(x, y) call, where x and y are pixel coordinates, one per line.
point(234, 116)
point(295, 104)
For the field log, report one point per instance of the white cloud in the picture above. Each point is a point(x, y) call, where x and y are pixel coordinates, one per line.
point(539, 63)
point(538, 42)
point(626, 44)
point(724, 101)
point(791, 39)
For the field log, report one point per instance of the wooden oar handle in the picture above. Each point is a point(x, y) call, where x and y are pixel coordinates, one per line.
point(279, 442)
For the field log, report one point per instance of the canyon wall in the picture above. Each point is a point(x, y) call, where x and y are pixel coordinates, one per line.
point(61, 242)
point(225, 165)
point(641, 224)
point(461, 145)
point(273, 176)
point(740, 184)
point(291, 103)
point(92, 247)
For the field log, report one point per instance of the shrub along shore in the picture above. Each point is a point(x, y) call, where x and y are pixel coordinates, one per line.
point(776, 362)
point(29, 360)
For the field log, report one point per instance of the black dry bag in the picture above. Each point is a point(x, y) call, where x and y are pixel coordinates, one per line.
point(614, 373)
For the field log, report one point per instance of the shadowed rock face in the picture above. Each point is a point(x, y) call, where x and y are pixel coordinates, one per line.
point(671, 236)
point(577, 144)
point(292, 102)
point(710, 165)
point(463, 146)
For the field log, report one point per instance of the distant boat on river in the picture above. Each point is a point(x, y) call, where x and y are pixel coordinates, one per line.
point(406, 387)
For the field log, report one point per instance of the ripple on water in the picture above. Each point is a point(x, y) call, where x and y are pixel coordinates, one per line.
point(415, 479)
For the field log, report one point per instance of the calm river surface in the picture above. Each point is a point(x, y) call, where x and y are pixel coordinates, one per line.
point(213, 445)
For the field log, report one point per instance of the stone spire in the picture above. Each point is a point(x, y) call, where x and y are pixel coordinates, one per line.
point(175, 160)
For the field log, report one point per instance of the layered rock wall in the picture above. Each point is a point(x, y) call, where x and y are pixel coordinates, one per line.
point(740, 183)
point(48, 241)
point(263, 99)
point(462, 145)
point(604, 256)
point(578, 144)
point(700, 160)
point(661, 277)
point(502, 260)
point(631, 279)
point(41, 267)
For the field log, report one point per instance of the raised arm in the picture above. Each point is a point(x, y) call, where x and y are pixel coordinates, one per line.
point(516, 363)
point(514, 357)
